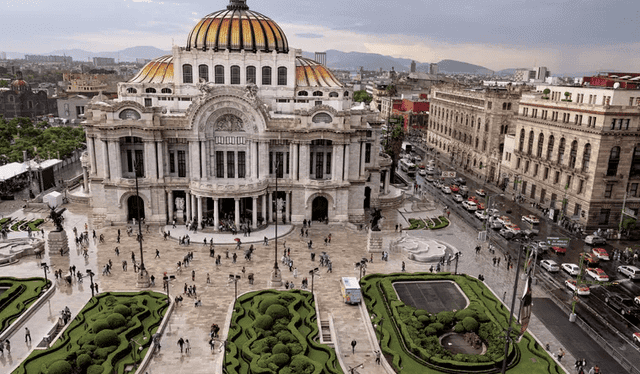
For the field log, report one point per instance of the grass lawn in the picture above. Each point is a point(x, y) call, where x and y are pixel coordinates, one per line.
point(276, 332)
point(100, 338)
point(440, 222)
point(409, 336)
point(21, 293)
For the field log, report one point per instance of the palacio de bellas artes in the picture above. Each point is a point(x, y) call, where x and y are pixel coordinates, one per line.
point(209, 129)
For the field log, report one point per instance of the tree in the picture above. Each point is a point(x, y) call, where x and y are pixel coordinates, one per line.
point(546, 93)
point(395, 137)
point(362, 96)
point(391, 90)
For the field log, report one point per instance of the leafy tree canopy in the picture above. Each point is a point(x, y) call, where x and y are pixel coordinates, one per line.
point(362, 95)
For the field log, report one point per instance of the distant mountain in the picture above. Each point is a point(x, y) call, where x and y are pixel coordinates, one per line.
point(458, 67)
point(506, 72)
point(369, 61)
point(129, 54)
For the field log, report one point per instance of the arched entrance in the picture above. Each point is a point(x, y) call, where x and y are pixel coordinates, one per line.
point(134, 203)
point(320, 209)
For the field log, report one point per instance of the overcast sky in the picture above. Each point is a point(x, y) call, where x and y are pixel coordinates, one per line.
point(575, 35)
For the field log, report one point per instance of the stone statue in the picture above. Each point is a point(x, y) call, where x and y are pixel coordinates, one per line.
point(205, 87)
point(229, 122)
point(251, 91)
point(56, 217)
point(180, 203)
point(376, 218)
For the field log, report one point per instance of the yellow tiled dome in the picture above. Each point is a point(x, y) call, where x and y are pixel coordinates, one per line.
point(238, 28)
point(310, 73)
point(159, 70)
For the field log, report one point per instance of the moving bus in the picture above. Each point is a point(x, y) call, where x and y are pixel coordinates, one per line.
point(408, 167)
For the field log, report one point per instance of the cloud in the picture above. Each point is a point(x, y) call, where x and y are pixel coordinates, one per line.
point(309, 35)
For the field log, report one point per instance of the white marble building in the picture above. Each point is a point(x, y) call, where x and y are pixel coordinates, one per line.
point(210, 122)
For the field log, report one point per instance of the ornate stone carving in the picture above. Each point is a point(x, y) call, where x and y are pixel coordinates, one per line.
point(179, 203)
point(229, 122)
point(251, 92)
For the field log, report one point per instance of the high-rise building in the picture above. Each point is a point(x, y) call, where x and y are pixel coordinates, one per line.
point(413, 66)
point(103, 61)
point(321, 58)
point(433, 69)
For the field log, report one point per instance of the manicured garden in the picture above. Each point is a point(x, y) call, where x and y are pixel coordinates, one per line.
point(410, 337)
point(275, 332)
point(22, 225)
point(430, 223)
point(105, 336)
point(18, 297)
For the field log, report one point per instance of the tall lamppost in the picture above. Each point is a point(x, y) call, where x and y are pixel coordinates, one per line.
point(312, 273)
point(143, 278)
point(513, 304)
point(45, 267)
point(91, 274)
point(276, 275)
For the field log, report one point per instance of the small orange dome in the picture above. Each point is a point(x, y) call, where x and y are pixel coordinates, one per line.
point(310, 73)
point(159, 70)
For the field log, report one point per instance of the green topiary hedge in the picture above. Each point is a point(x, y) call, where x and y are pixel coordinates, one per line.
point(18, 298)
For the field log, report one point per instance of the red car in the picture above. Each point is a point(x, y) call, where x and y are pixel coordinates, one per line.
point(600, 253)
point(589, 259)
point(474, 199)
point(481, 206)
point(454, 188)
point(559, 250)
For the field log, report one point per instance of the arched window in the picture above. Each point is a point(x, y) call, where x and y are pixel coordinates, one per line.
point(504, 106)
point(150, 90)
point(266, 76)
point(333, 94)
point(573, 154)
point(303, 93)
point(317, 93)
point(235, 74)
point(508, 106)
point(521, 144)
point(29, 104)
point(251, 74)
point(614, 160)
point(477, 141)
point(506, 128)
point(486, 126)
point(282, 76)
point(203, 73)
point(187, 73)
point(550, 147)
point(530, 146)
point(346, 93)
point(166, 90)
point(132, 90)
point(219, 74)
point(540, 144)
point(586, 157)
point(129, 114)
point(322, 118)
point(479, 122)
point(635, 161)
point(561, 151)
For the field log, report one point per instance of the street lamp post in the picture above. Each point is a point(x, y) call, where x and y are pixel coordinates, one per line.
point(236, 278)
point(133, 344)
point(91, 274)
point(276, 276)
point(143, 279)
point(513, 304)
point(45, 267)
point(167, 282)
point(312, 273)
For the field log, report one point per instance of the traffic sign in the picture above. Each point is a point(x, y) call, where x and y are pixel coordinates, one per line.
point(448, 174)
point(558, 242)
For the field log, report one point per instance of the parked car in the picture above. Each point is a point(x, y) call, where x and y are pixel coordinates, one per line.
point(600, 253)
point(531, 219)
point(493, 212)
point(598, 274)
point(464, 188)
point(470, 205)
point(454, 188)
point(481, 205)
point(473, 198)
point(597, 240)
point(629, 271)
point(504, 220)
point(446, 189)
point(506, 234)
point(589, 260)
point(495, 224)
point(573, 286)
point(543, 245)
point(481, 215)
point(571, 269)
point(422, 172)
point(636, 300)
point(458, 198)
point(429, 178)
point(460, 181)
point(549, 265)
point(513, 228)
point(559, 250)
point(623, 305)
point(481, 193)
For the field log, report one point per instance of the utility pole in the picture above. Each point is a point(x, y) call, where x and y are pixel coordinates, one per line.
point(276, 276)
point(143, 279)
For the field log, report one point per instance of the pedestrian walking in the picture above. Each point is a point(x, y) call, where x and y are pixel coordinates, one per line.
point(353, 346)
point(181, 344)
point(117, 250)
point(193, 275)
point(403, 267)
point(187, 346)
point(208, 278)
point(378, 357)
point(560, 354)
point(27, 335)
point(157, 253)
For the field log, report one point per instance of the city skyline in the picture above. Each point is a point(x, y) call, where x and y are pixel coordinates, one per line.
point(561, 35)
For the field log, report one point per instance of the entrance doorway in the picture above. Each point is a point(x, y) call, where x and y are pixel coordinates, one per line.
point(320, 209)
point(367, 197)
point(134, 203)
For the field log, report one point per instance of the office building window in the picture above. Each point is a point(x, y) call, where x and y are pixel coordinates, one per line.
point(148, 102)
point(367, 153)
point(533, 191)
point(633, 191)
point(580, 186)
point(577, 209)
point(543, 194)
point(586, 157)
point(614, 160)
point(535, 170)
point(556, 179)
point(550, 147)
point(608, 190)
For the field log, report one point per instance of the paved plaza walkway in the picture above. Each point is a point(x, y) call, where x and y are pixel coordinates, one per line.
point(189, 322)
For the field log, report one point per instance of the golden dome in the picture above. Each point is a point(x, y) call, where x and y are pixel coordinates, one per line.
point(159, 70)
point(310, 73)
point(237, 28)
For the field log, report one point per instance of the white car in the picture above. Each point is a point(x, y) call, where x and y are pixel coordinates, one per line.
point(573, 286)
point(446, 189)
point(422, 173)
point(598, 274)
point(464, 188)
point(481, 193)
point(469, 205)
point(504, 220)
point(629, 271)
point(458, 198)
point(481, 215)
point(571, 269)
point(493, 212)
point(531, 219)
point(592, 239)
point(550, 265)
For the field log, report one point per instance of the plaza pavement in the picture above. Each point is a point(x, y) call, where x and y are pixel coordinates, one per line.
point(347, 247)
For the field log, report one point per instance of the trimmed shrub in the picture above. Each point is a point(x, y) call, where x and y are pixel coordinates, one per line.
point(277, 311)
point(106, 338)
point(294, 348)
point(86, 338)
point(116, 320)
point(445, 317)
point(122, 309)
point(470, 324)
point(83, 362)
point(437, 326)
point(464, 313)
point(95, 369)
point(60, 367)
point(264, 322)
point(459, 328)
point(301, 364)
point(99, 325)
point(285, 336)
point(279, 359)
point(420, 312)
point(280, 348)
point(424, 319)
point(267, 302)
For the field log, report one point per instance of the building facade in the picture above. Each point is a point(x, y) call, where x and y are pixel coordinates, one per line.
point(470, 125)
point(577, 152)
point(218, 123)
point(19, 100)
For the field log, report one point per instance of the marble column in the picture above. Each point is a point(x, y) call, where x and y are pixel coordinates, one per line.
point(387, 180)
point(288, 207)
point(203, 160)
point(216, 214)
point(346, 162)
point(170, 204)
point(160, 159)
point(264, 207)
point(92, 154)
point(264, 159)
point(304, 162)
point(270, 208)
point(149, 164)
point(237, 213)
point(105, 159)
point(199, 216)
point(251, 160)
point(295, 162)
point(85, 181)
point(194, 212)
point(193, 161)
point(188, 204)
point(254, 215)
point(361, 159)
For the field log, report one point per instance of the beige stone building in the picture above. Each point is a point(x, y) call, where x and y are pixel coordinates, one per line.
point(577, 151)
point(470, 125)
